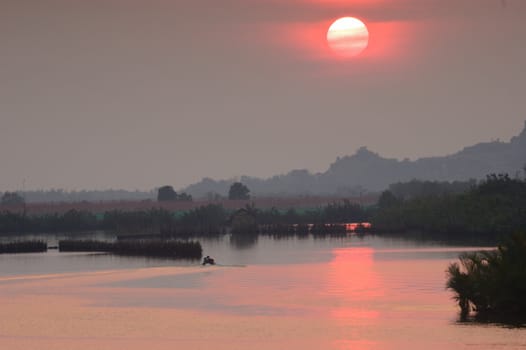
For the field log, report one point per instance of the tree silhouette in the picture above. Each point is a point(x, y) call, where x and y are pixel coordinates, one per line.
point(492, 283)
point(166, 193)
point(238, 191)
point(387, 200)
point(244, 220)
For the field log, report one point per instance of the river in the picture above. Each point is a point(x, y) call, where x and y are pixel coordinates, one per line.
point(265, 293)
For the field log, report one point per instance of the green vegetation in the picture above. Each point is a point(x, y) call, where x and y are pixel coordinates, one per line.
point(209, 220)
point(496, 206)
point(73, 220)
point(244, 220)
point(138, 221)
point(418, 188)
point(492, 283)
point(148, 248)
point(23, 247)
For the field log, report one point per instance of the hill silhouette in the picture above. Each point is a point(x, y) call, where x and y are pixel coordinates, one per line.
point(366, 171)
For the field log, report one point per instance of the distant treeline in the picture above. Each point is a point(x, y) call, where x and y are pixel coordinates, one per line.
point(212, 219)
point(59, 195)
point(418, 188)
point(496, 205)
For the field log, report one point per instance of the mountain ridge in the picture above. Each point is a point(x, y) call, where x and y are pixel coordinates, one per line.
point(367, 171)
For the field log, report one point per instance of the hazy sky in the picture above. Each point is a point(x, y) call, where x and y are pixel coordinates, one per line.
point(134, 94)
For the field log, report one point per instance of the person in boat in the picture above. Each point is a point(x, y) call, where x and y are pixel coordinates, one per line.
point(208, 260)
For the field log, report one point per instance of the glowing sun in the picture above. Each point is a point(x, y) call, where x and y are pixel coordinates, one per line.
point(348, 36)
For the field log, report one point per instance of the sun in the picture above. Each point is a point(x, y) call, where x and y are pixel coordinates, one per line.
point(348, 37)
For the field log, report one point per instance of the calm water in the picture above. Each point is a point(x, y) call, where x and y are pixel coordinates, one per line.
point(335, 293)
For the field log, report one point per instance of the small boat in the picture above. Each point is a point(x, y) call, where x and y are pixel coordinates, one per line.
point(208, 260)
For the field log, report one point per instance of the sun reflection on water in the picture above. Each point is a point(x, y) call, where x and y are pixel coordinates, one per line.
point(361, 298)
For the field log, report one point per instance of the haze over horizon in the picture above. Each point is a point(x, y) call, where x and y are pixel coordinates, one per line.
point(135, 94)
